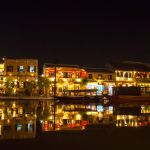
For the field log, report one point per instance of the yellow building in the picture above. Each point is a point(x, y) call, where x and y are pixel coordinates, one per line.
point(1, 75)
point(19, 71)
point(132, 74)
point(101, 79)
point(68, 77)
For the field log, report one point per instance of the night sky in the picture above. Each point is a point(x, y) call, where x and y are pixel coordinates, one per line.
point(87, 33)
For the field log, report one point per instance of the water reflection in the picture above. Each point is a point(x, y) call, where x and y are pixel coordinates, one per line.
point(17, 119)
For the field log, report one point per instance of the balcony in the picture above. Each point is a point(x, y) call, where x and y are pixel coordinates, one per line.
point(78, 109)
point(124, 79)
point(143, 80)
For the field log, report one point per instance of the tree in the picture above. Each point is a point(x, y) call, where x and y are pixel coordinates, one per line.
point(29, 86)
point(84, 82)
point(9, 85)
point(43, 84)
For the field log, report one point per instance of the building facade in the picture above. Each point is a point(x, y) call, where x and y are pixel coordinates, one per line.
point(16, 72)
point(131, 74)
point(101, 79)
point(68, 77)
point(1, 74)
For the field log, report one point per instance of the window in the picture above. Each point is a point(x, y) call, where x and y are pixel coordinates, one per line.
point(18, 127)
point(64, 74)
point(78, 75)
point(9, 69)
point(110, 77)
point(90, 76)
point(100, 108)
point(20, 68)
point(100, 76)
point(121, 74)
point(130, 75)
point(118, 74)
point(125, 75)
point(32, 69)
point(51, 74)
point(20, 110)
point(67, 74)
point(6, 128)
point(30, 127)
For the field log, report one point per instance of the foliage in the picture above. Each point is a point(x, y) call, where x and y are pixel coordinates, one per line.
point(43, 84)
point(9, 87)
point(84, 81)
point(29, 86)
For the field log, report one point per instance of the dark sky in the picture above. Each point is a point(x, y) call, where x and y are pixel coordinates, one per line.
point(84, 33)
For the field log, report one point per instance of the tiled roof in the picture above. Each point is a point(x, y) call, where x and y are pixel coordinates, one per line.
point(100, 70)
point(128, 66)
point(61, 65)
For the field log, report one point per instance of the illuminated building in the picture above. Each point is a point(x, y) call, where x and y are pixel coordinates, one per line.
point(1, 75)
point(18, 72)
point(100, 79)
point(68, 77)
point(132, 74)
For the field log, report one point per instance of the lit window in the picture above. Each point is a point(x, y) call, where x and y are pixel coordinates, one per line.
point(78, 75)
point(20, 68)
point(30, 127)
point(19, 127)
point(32, 69)
point(20, 110)
point(100, 108)
point(90, 76)
point(100, 76)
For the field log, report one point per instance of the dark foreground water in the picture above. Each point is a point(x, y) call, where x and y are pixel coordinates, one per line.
point(19, 131)
point(78, 140)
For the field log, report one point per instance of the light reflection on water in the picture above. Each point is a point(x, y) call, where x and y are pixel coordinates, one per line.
point(18, 119)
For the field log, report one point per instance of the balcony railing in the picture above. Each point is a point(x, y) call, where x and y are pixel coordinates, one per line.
point(123, 79)
point(144, 80)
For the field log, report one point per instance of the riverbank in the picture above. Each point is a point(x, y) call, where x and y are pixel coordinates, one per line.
point(25, 98)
